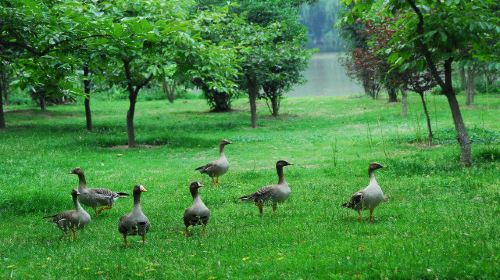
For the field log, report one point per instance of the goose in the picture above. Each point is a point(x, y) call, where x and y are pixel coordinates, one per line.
point(198, 213)
point(274, 193)
point(71, 220)
point(216, 168)
point(95, 197)
point(369, 197)
point(135, 222)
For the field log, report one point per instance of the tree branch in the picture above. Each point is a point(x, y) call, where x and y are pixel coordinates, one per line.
point(423, 48)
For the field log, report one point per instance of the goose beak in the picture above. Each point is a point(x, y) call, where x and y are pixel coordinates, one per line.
point(142, 189)
point(200, 185)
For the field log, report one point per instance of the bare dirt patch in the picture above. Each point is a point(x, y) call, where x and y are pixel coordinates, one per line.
point(126, 147)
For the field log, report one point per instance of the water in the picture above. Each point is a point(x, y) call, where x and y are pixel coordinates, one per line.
point(326, 77)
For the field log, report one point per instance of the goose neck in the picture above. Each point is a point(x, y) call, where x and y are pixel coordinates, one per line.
point(82, 182)
point(373, 180)
point(137, 199)
point(194, 193)
point(76, 203)
point(281, 176)
point(221, 150)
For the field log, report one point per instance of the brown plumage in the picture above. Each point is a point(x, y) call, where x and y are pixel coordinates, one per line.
point(71, 220)
point(96, 197)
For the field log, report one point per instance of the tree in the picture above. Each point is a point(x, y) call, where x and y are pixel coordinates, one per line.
point(146, 37)
point(284, 70)
point(439, 31)
point(271, 24)
point(264, 33)
point(4, 85)
point(360, 62)
point(43, 40)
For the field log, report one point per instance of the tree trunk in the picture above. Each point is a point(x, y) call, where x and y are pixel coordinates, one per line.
point(393, 95)
point(462, 135)
point(275, 105)
point(130, 119)
point(463, 78)
point(470, 86)
point(169, 89)
point(86, 89)
point(3, 89)
point(404, 103)
point(4, 83)
point(222, 101)
point(253, 92)
point(446, 87)
point(427, 117)
point(2, 117)
point(42, 101)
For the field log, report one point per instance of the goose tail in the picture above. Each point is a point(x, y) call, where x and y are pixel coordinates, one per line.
point(347, 205)
point(48, 217)
point(122, 194)
point(246, 198)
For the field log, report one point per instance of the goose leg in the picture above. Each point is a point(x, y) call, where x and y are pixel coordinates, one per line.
point(261, 209)
point(102, 209)
point(125, 241)
point(204, 229)
point(186, 231)
point(95, 211)
point(143, 238)
point(371, 216)
point(73, 234)
point(360, 217)
point(275, 206)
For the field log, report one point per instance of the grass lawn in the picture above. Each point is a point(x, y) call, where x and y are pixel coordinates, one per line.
point(441, 220)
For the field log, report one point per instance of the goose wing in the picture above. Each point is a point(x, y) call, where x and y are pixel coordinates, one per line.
point(207, 168)
point(356, 201)
point(193, 217)
point(260, 196)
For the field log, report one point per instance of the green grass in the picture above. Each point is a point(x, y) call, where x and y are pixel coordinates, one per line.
point(441, 220)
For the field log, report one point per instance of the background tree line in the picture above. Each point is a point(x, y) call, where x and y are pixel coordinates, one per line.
point(61, 51)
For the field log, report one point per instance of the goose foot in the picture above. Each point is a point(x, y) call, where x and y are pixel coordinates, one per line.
point(125, 241)
point(360, 217)
point(371, 216)
point(186, 231)
point(275, 206)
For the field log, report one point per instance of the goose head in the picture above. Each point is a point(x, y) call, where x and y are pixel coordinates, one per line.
point(225, 142)
point(139, 189)
point(75, 193)
point(77, 171)
point(193, 188)
point(282, 163)
point(374, 166)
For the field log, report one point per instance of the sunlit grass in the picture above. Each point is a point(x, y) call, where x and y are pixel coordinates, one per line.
point(441, 220)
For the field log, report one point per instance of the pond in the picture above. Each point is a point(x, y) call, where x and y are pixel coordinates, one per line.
point(326, 77)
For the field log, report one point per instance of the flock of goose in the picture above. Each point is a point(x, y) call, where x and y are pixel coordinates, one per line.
point(136, 223)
